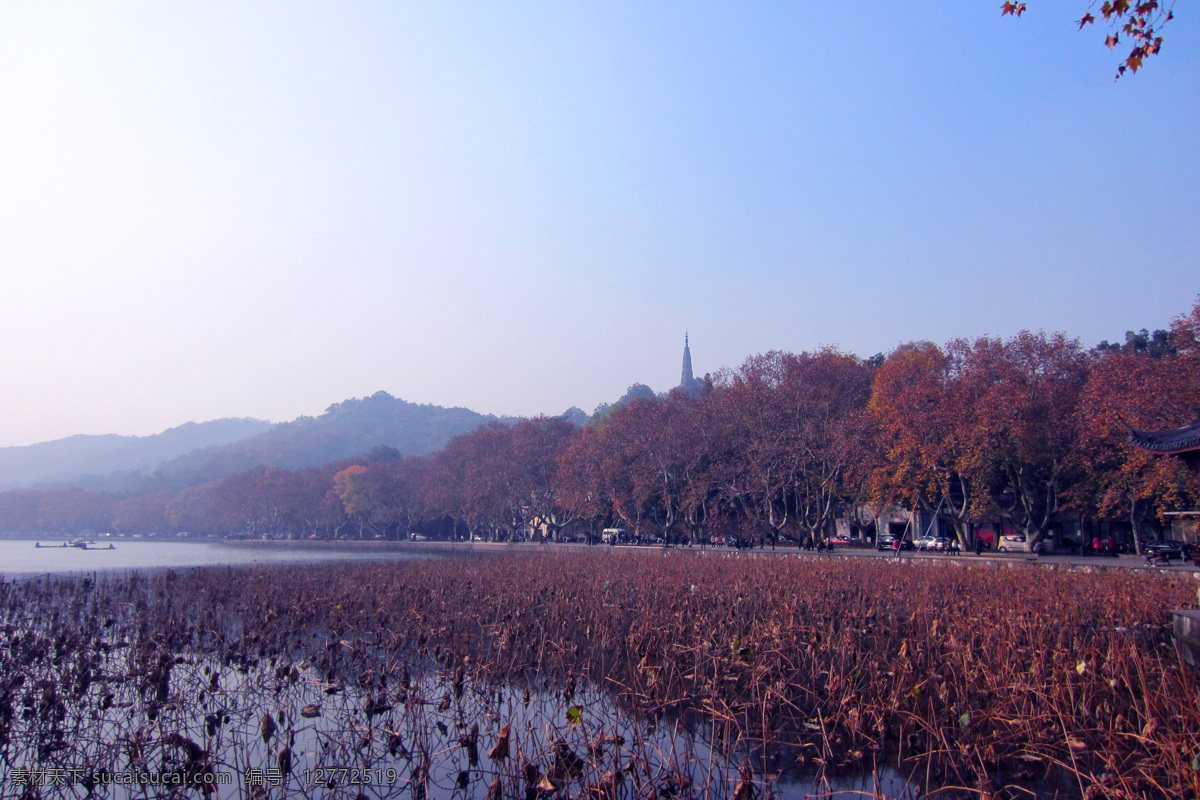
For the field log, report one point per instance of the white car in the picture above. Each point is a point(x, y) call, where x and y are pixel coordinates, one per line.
point(1012, 544)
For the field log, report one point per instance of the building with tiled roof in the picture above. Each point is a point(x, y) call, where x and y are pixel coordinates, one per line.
point(1183, 442)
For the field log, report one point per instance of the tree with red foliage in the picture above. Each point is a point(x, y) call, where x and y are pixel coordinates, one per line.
point(19, 510)
point(1185, 332)
point(1025, 398)
point(789, 421)
point(195, 510)
point(826, 393)
point(704, 448)
point(1149, 393)
point(1123, 480)
point(641, 482)
point(651, 462)
point(441, 490)
point(535, 447)
point(312, 507)
point(142, 513)
point(933, 455)
point(467, 480)
point(671, 473)
point(74, 510)
point(756, 475)
point(253, 502)
point(607, 467)
point(582, 487)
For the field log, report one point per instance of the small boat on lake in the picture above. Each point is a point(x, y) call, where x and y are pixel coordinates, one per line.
point(78, 544)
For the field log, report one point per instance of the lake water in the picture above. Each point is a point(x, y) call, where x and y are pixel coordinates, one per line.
point(19, 558)
point(667, 748)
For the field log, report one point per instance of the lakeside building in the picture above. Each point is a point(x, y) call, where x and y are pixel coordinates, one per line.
point(1183, 442)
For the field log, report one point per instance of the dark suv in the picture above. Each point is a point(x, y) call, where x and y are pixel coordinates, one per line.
point(1165, 548)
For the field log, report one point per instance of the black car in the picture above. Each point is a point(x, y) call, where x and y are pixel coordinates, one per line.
point(1165, 548)
point(887, 541)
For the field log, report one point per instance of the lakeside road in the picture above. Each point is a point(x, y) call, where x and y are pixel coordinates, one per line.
point(1126, 561)
point(22, 558)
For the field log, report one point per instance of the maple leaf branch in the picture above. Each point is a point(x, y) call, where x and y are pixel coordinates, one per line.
point(1139, 21)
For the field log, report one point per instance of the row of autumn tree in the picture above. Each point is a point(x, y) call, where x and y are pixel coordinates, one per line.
point(1030, 431)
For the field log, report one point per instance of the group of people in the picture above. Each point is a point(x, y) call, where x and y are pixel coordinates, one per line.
point(808, 543)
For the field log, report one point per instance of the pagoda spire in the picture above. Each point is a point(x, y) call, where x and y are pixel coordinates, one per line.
point(687, 381)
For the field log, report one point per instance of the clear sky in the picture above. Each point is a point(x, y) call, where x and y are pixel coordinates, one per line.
point(213, 209)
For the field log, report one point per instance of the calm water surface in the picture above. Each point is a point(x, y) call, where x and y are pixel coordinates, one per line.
point(19, 558)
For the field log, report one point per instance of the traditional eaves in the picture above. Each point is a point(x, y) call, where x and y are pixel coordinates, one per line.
point(1172, 442)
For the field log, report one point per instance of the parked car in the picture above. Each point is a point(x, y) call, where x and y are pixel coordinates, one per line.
point(612, 535)
point(1012, 544)
point(1165, 548)
point(887, 541)
point(934, 543)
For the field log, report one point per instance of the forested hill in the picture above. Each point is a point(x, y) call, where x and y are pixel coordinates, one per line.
point(67, 460)
point(346, 430)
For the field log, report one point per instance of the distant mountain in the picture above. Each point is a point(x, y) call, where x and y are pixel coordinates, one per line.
point(69, 460)
point(195, 453)
point(576, 416)
point(346, 430)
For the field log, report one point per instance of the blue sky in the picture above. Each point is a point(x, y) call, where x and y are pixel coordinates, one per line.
point(229, 209)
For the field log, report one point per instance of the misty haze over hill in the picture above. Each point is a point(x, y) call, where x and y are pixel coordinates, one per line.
point(194, 453)
point(197, 452)
point(346, 430)
point(66, 460)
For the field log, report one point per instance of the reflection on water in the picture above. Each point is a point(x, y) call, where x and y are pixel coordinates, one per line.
point(169, 681)
point(21, 558)
point(256, 727)
point(157, 697)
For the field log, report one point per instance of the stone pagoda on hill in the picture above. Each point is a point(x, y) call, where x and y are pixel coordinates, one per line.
point(687, 380)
